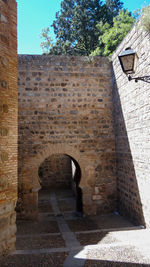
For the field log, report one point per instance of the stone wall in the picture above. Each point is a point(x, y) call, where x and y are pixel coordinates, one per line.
point(65, 107)
point(56, 172)
point(132, 125)
point(8, 124)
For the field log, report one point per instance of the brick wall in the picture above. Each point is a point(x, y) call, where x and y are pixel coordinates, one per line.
point(8, 124)
point(56, 172)
point(132, 124)
point(65, 107)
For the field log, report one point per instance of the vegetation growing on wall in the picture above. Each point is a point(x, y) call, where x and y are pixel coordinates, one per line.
point(145, 18)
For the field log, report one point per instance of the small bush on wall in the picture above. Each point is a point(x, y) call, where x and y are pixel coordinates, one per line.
point(145, 19)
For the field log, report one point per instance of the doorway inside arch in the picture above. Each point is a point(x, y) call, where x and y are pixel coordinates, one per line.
point(60, 176)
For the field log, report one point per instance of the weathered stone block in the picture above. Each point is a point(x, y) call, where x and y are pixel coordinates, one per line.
point(97, 197)
point(3, 18)
point(4, 221)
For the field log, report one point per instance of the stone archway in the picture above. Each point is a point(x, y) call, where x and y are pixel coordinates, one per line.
point(29, 184)
point(61, 174)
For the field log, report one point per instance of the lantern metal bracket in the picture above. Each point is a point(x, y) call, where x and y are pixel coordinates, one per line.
point(143, 78)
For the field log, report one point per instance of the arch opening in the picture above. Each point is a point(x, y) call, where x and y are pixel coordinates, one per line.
point(61, 174)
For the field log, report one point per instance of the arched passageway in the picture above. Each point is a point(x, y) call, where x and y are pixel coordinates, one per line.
point(30, 183)
point(60, 174)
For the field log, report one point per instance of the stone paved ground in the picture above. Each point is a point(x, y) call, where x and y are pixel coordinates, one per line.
point(61, 239)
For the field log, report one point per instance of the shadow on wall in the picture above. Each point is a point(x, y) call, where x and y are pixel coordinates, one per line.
point(76, 175)
point(128, 194)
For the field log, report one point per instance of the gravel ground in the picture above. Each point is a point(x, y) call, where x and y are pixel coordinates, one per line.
point(82, 224)
point(98, 222)
point(101, 263)
point(40, 242)
point(111, 221)
point(42, 260)
point(115, 249)
point(118, 255)
point(29, 227)
point(95, 238)
point(45, 207)
point(66, 205)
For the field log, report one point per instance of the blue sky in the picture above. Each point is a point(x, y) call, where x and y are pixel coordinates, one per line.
point(33, 15)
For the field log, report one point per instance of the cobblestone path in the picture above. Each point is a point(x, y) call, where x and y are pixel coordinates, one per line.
point(61, 239)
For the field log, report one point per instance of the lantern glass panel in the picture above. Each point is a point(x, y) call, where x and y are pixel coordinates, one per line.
point(128, 63)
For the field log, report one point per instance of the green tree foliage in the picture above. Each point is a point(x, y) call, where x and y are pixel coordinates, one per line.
point(111, 37)
point(114, 7)
point(75, 26)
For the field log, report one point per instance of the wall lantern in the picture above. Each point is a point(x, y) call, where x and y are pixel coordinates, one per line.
point(128, 61)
